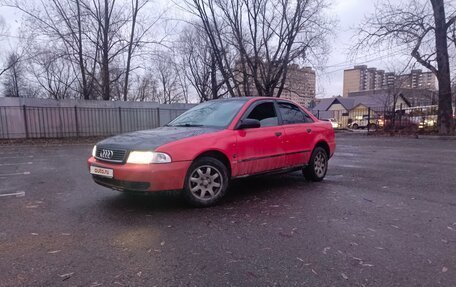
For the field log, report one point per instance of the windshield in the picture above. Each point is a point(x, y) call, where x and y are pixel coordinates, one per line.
point(212, 113)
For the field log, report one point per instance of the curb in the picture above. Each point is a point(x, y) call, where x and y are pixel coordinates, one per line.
point(446, 138)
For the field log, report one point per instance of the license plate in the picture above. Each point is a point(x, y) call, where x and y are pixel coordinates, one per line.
point(106, 172)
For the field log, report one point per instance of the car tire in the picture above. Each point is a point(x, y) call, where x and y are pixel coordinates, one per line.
point(318, 165)
point(355, 126)
point(373, 126)
point(206, 182)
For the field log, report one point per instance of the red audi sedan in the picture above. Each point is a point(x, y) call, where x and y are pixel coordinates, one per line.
point(205, 148)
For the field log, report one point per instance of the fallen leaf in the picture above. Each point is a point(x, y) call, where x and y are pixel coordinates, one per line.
point(444, 269)
point(54, 251)
point(344, 276)
point(325, 250)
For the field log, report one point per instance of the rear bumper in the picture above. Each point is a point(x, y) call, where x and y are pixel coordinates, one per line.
point(142, 177)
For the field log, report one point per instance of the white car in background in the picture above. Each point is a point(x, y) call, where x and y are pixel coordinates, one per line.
point(334, 123)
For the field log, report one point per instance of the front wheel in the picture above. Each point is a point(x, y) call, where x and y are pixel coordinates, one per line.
point(318, 165)
point(206, 182)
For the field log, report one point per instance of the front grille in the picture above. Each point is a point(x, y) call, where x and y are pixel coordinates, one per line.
point(110, 155)
point(121, 184)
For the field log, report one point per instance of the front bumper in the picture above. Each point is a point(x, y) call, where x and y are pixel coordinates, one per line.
point(143, 177)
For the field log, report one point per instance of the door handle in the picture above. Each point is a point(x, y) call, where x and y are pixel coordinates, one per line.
point(278, 134)
point(309, 130)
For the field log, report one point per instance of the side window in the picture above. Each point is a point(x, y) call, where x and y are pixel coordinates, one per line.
point(265, 113)
point(292, 114)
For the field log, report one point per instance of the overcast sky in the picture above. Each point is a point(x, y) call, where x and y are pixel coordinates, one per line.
point(349, 14)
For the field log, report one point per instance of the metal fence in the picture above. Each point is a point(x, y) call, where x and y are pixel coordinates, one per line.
point(414, 119)
point(60, 122)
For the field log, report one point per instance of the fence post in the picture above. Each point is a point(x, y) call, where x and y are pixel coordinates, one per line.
point(120, 119)
point(318, 114)
point(76, 118)
point(400, 116)
point(24, 109)
point(158, 117)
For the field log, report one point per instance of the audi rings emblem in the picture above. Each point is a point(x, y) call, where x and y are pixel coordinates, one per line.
point(106, 154)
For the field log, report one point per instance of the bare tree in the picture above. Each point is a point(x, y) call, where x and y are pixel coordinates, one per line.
point(146, 88)
point(13, 82)
point(61, 21)
point(53, 74)
point(98, 38)
point(266, 35)
point(197, 62)
point(423, 27)
point(138, 30)
point(167, 78)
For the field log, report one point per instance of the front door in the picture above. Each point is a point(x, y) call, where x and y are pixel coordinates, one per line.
point(260, 149)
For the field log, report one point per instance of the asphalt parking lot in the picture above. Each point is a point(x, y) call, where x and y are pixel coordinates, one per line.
point(384, 216)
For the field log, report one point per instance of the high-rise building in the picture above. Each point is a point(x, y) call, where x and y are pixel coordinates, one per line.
point(362, 78)
point(300, 85)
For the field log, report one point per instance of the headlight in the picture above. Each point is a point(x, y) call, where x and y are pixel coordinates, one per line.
point(94, 151)
point(147, 157)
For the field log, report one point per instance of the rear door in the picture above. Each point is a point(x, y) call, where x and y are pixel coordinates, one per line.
point(299, 133)
point(260, 149)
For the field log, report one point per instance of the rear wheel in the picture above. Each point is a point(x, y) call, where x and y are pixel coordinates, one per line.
point(318, 165)
point(355, 126)
point(206, 182)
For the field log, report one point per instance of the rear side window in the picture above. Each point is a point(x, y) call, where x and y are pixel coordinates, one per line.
point(265, 113)
point(292, 114)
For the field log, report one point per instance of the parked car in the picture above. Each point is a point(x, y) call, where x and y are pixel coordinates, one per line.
point(202, 150)
point(334, 123)
point(364, 122)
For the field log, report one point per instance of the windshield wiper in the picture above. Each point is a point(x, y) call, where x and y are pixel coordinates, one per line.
point(187, 125)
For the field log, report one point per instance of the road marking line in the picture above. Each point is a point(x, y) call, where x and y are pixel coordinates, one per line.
point(4, 164)
point(16, 194)
point(347, 165)
point(10, 157)
point(11, 174)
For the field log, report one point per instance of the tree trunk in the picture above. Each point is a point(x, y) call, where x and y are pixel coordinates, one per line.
point(85, 90)
point(135, 9)
point(106, 91)
point(445, 114)
point(214, 88)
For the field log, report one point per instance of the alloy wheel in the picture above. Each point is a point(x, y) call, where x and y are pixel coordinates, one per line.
point(320, 164)
point(206, 182)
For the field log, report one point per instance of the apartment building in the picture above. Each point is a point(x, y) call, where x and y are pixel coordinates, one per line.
point(362, 78)
point(300, 85)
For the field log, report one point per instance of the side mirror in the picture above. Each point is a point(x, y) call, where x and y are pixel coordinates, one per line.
point(249, 124)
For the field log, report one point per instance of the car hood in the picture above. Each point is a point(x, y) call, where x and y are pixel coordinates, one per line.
point(152, 139)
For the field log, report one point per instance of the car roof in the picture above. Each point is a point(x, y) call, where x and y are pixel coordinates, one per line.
point(246, 99)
